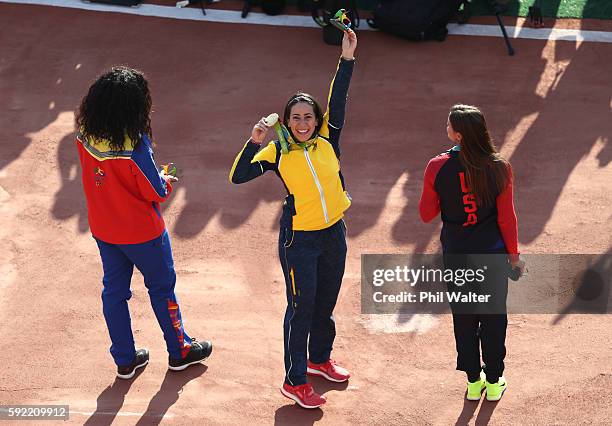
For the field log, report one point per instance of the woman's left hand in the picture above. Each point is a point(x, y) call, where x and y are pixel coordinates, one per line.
point(349, 44)
point(520, 264)
point(167, 177)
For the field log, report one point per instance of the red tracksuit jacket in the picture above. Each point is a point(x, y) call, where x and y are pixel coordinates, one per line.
point(123, 191)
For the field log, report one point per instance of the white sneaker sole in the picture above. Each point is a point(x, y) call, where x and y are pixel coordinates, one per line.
point(474, 398)
point(314, 372)
point(184, 366)
point(297, 400)
point(133, 373)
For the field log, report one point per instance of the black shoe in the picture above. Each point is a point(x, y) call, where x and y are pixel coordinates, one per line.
point(128, 371)
point(199, 352)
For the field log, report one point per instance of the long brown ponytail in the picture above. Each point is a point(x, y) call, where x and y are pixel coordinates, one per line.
point(487, 172)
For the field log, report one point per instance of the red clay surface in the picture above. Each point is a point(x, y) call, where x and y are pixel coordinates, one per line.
point(549, 108)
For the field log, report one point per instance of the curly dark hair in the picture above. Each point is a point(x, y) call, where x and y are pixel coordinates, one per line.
point(117, 104)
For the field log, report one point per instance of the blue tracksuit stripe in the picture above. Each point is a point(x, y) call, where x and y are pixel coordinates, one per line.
point(143, 157)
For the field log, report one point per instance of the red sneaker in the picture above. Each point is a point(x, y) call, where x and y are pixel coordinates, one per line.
point(304, 395)
point(329, 370)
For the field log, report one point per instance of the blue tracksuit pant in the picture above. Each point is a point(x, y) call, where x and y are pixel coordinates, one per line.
point(154, 260)
point(313, 265)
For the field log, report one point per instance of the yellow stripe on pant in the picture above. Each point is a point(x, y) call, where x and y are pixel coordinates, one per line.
point(292, 282)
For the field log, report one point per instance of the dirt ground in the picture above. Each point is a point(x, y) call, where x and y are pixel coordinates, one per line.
point(549, 109)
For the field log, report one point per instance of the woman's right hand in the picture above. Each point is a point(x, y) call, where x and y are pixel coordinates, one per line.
point(258, 134)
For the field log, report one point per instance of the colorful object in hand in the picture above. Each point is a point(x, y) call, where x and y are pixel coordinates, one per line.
point(170, 169)
point(281, 132)
point(341, 20)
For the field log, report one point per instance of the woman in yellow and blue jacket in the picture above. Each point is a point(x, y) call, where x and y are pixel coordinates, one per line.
point(312, 241)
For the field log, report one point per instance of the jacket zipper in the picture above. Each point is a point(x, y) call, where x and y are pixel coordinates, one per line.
point(316, 179)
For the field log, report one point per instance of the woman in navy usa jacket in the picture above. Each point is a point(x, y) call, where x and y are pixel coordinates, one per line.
point(471, 186)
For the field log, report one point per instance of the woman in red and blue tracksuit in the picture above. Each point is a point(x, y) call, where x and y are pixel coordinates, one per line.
point(124, 188)
point(312, 241)
point(471, 186)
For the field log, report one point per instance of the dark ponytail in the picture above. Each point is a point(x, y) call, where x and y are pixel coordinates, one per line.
point(487, 172)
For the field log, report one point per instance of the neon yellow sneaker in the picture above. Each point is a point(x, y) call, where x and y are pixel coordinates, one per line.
point(474, 389)
point(496, 390)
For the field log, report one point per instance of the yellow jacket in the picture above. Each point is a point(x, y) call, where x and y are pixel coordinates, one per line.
point(312, 175)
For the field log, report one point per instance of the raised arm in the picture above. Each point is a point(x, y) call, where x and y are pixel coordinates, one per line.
point(338, 92)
